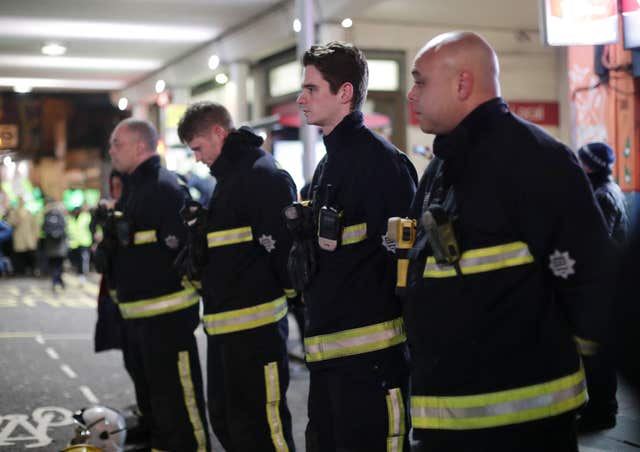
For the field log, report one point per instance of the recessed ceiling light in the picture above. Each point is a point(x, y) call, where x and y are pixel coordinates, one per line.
point(214, 62)
point(347, 23)
point(54, 49)
point(160, 86)
point(222, 78)
point(297, 25)
point(22, 89)
point(123, 102)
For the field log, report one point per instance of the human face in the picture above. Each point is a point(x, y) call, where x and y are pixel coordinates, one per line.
point(207, 146)
point(123, 149)
point(320, 106)
point(433, 94)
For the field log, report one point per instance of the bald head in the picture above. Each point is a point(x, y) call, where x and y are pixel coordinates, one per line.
point(453, 73)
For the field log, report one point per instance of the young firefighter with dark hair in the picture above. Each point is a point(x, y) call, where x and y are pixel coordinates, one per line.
point(354, 340)
point(239, 248)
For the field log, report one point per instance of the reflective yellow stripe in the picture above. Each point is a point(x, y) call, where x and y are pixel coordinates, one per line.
point(246, 318)
point(395, 408)
point(500, 408)
point(272, 384)
point(144, 237)
point(355, 341)
point(184, 370)
point(354, 234)
point(586, 347)
point(161, 305)
point(290, 293)
point(229, 236)
point(482, 260)
point(113, 295)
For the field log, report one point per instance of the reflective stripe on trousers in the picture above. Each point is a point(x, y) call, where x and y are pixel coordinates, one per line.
point(160, 305)
point(354, 233)
point(395, 408)
point(586, 347)
point(246, 318)
point(190, 401)
point(272, 386)
point(229, 236)
point(143, 237)
point(355, 341)
point(482, 260)
point(500, 408)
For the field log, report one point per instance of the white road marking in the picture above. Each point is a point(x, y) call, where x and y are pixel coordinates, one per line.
point(52, 353)
point(67, 370)
point(39, 339)
point(89, 395)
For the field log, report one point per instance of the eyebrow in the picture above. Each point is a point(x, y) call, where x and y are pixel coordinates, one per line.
point(309, 85)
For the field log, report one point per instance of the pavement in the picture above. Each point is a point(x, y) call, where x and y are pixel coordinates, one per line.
point(49, 370)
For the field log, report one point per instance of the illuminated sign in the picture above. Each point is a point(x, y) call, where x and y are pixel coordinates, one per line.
point(579, 22)
point(631, 23)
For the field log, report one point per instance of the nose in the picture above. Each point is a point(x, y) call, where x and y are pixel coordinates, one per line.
point(410, 95)
point(198, 156)
point(300, 99)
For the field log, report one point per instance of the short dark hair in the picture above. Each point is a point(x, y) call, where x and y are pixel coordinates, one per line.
point(339, 63)
point(201, 116)
point(144, 130)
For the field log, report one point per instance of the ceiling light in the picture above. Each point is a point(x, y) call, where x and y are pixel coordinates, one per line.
point(346, 23)
point(222, 78)
point(64, 83)
point(297, 25)
point(160, 86)
point(123, 103)
point(22, 88)
point(79, 63)
point(214, 62)
point(111, 31)
point(54, 49)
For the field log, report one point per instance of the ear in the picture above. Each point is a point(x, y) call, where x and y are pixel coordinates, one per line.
point(345, 93)
point(465, 85)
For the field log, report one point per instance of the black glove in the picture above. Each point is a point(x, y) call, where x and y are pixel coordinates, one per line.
point(104, 253)
point(301, 264)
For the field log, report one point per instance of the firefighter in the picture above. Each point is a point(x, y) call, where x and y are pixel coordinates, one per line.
point(354, 339)
point(139, 246)
point(508, 273)
point(239, 246)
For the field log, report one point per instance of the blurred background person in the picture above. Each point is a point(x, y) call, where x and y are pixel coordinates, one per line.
point(80, 239)
point(600, 411)
point(5, 236)
point(25, 238)
point(55, 241)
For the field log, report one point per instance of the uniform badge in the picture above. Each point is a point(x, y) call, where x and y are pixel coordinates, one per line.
point(172, 242)
point(389, 244)
point(268, 242)
point(561, 264)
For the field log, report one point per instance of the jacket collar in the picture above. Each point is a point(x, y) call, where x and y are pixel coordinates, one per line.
point(143, 170)
point(475, 124)
point(241, 148)
point(345, 128)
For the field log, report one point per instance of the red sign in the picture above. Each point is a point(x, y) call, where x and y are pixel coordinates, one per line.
point(541, 113)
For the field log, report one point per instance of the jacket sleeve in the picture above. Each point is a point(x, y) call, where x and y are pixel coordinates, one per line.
point(172, 233)
point(560, 221)
point(272, 191)
point(609, 211)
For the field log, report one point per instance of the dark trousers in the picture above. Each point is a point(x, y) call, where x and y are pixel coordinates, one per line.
point(601, 384)
point(247, 381)
point(79, 258)
point(55, 264)
point(24, 260)
point(360, 407)
point(162, 358)
point(555, 434)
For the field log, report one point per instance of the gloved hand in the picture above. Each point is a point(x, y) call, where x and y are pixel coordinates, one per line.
point(301, 264)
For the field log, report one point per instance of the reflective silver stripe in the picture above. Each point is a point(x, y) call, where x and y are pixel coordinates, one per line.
point(355, 341)
point(395, 409)
point(272, 383)
point(500, 408)
point(354, 233)
point(143, 237)
point(586, 347)
point(161, 305)
point(190, 401)
point(246, 318)
point(229, 236)
point(482, 260)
